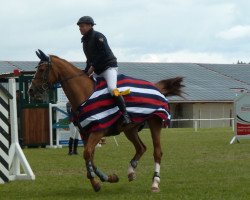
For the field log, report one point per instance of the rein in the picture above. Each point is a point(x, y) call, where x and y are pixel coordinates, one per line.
point(69, 78)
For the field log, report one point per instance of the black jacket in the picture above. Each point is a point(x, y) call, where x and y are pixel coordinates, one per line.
point(97, 52)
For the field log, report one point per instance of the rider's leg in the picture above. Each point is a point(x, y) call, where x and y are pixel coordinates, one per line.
point(110, 76)
point(119, 100)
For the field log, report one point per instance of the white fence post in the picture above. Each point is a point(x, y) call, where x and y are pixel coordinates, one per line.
point(195, 125)
point(50, 126)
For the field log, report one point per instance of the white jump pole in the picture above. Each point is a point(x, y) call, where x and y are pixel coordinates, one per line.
point(50, 127)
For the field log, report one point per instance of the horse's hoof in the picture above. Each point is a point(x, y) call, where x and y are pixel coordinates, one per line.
point(131, 176)
point(97, 187)
point(155, 189)
point(113, 178)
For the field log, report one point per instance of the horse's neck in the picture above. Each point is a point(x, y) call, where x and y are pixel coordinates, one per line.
point(77, 89)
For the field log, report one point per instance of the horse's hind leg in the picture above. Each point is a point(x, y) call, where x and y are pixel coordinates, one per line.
point(132, 135)
point(155, 125)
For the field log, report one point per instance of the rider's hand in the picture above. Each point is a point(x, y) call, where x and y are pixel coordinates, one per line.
point(91, 70)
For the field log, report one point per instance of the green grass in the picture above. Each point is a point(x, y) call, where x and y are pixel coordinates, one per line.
point(195, 165)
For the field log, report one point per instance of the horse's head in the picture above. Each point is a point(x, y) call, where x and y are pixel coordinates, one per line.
point(43, 78)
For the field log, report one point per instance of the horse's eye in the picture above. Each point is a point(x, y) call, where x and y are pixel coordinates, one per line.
point(41, 69)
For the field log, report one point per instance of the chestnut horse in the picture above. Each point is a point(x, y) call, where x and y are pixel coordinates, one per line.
point(52, 69)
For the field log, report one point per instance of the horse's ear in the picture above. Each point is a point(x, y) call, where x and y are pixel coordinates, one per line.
point(38, 55)
point(43, 56)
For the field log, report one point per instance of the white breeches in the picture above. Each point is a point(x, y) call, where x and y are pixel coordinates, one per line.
point(110, 76)
point(74, 133)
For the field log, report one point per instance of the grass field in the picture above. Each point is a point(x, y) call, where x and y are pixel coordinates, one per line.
point(196, 165)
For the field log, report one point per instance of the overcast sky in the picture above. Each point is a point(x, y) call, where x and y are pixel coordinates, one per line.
point(205, 31)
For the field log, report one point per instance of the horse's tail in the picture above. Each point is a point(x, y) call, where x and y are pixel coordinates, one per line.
point(171, 87)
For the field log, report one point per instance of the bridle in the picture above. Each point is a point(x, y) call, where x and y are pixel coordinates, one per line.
point(45, 86)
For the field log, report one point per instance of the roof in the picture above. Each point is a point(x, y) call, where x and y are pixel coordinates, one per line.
point(204, 82)
point(238, 72)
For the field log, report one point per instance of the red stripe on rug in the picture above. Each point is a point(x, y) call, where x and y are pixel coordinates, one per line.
point(132, 99)
point(163, 116)
point(139, 119)
point(100, 84)
point(134, 81)
point(105, 125)
point(97, 104)
point(123, 81)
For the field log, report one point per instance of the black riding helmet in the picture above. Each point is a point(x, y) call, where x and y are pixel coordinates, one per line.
point(86, 20)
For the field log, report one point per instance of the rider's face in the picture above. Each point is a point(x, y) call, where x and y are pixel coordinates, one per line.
point(84, 28)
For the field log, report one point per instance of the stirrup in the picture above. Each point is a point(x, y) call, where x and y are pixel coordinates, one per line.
point(117, 93)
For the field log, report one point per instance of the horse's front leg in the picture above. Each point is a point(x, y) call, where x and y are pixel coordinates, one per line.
point(112, 178)
point(88, 154)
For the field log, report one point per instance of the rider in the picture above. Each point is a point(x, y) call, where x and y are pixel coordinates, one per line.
point(101, 60)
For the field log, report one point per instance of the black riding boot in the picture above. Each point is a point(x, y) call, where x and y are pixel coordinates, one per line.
point(75, 146)
point(119, 100)
point(70, 146)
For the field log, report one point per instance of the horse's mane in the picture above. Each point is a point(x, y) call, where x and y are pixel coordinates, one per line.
point(64, 61)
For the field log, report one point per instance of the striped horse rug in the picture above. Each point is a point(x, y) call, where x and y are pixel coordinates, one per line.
point(100, 111)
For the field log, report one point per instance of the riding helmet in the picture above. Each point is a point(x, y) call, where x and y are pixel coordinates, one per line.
point(86, 20)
